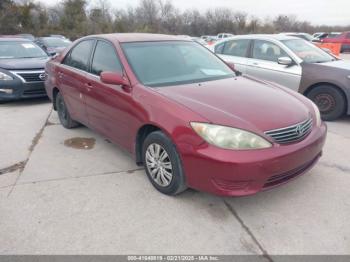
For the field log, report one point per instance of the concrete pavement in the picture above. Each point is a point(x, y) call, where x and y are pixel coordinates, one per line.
point(64, 200)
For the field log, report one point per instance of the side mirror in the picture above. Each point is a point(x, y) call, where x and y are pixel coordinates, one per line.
point(114, 78)
point(285, 61)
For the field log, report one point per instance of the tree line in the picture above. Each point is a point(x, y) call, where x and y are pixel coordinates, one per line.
point(76, 18)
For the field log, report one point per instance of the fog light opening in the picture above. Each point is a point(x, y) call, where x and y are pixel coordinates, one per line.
point(6, 91)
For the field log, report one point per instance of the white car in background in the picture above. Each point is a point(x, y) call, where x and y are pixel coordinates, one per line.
point(294, 63)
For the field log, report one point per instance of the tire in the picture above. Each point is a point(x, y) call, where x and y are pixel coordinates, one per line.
point(329, 100)
point(158, 169)
point(63, 113)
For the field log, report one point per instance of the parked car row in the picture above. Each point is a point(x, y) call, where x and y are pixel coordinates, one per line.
point(52, 44)
point(185, 115)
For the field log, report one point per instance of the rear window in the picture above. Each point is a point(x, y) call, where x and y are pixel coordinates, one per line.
point(56, 42)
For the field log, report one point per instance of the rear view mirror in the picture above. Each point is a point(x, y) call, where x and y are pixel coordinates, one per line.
point(285, 61)
point(113, 78)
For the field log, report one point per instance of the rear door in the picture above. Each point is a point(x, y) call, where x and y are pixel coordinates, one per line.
point(72, 78)
point(263, 63)
point(234, 51)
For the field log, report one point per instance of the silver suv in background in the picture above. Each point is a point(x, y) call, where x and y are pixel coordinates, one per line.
point(294, 63)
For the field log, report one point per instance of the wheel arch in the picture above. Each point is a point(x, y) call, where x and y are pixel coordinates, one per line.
point(142, 133)
point(341, 90)
point(55, 91)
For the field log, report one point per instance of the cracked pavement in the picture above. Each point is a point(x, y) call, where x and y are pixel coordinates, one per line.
point(56, 199)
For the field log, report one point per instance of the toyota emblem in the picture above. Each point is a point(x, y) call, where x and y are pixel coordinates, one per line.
point(299, 130)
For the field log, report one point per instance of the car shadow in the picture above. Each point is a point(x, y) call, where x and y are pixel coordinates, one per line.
point(25, 102)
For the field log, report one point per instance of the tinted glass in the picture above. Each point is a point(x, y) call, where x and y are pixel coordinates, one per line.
point(236, 47)
point(105, 59)
point(80, 54)
point(16, 49)
point(174, 63)
point(308, 52)
point(264, 50)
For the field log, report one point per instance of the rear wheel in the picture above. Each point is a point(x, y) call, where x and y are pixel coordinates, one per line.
point(63, 113)
point(162, 164)
point(329, 100)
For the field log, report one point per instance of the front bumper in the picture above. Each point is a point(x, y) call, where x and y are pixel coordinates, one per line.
point(20, 90)
point(238, 173)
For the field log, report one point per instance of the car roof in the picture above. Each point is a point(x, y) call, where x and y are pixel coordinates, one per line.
point(140, 37)
point(19, 39)
point(278, 37)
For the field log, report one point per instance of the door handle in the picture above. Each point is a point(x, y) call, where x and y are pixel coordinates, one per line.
point(88, 86)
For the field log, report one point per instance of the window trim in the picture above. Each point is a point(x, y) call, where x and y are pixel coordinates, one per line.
point(93, 55)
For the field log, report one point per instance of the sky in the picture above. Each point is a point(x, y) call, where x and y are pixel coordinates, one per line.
point(327, 12)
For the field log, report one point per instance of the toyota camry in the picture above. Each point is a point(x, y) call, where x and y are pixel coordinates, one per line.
point(184, 114)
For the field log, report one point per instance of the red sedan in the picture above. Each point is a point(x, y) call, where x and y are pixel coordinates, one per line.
point(184, 114)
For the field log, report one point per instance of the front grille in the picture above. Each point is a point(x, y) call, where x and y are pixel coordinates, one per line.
point(284, 177)
point(30, 76)
point(33, 77)
point(33, 92)
point(291, 134)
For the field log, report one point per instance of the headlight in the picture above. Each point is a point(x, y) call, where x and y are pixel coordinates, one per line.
point(5, 77)
point(317, 114)
point(228, 137)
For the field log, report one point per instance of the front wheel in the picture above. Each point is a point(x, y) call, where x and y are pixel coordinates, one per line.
point(329, 100)
point(162, 164)
point(63, 113)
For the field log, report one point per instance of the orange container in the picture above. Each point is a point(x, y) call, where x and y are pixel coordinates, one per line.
point(334, 47)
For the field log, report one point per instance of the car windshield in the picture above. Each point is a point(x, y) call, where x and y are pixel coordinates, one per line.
point(307, 37)
point(308, 52)
point(159, 64)
point(16, 49)
point(56, 42)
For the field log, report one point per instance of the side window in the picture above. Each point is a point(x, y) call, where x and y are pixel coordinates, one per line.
point(236, 47)
point(348, 35)
point(105, 59)
point(219, 48)
point(79, 56)
point(268, 51)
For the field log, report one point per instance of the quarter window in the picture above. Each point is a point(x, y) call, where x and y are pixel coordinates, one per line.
point(265, 50)
point(105, 59)
point(236, 47)
point(80, 55)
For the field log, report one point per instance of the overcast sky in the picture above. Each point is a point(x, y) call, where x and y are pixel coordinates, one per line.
point(330, 12)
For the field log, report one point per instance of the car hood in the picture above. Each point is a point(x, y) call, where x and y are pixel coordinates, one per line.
point(23, 63)
point(240, 102)
point(341, 64)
